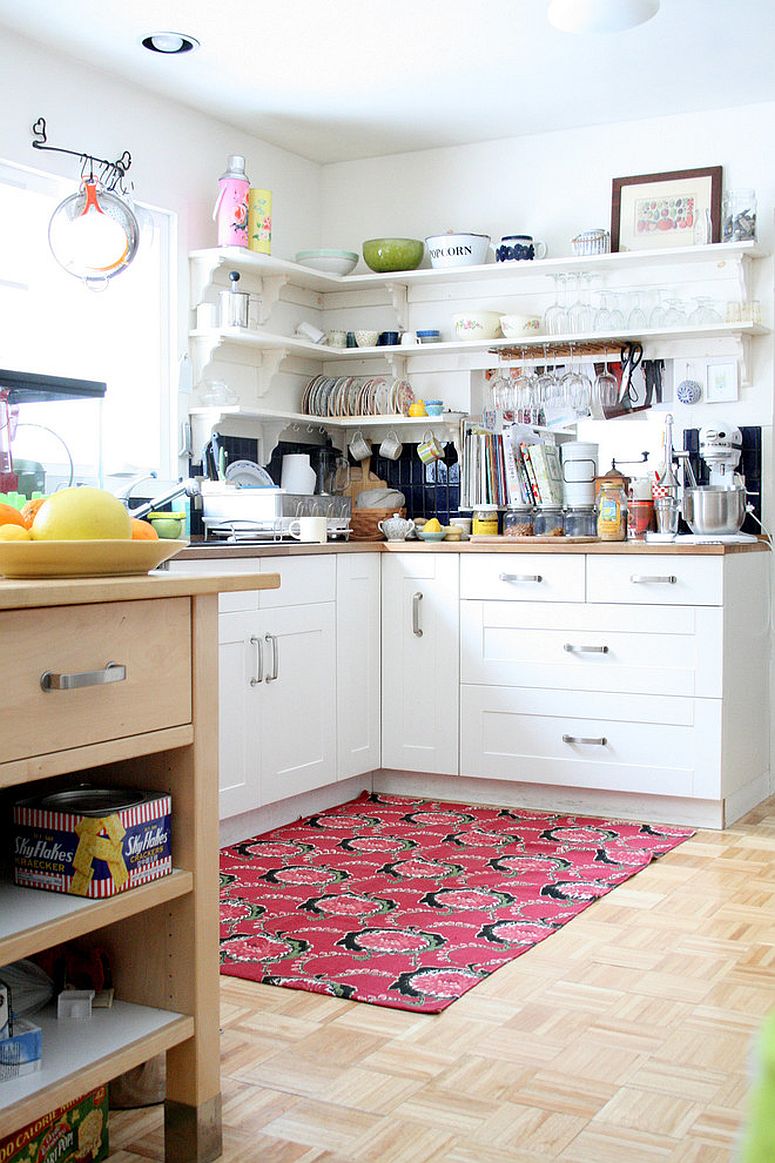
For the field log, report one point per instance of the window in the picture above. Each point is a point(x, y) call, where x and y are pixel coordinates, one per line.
point(53, 323)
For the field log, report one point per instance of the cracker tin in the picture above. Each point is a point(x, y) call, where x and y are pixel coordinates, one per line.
point(92, 842)
point(75, 1133)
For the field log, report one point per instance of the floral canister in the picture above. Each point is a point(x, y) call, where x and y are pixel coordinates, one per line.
point(260, 221)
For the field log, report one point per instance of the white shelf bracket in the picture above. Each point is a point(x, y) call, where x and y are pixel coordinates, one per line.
point(399, 297)
point(743, 353)
point(397, 362)
point(271, 285)
point(202, 268)
point(268, 368)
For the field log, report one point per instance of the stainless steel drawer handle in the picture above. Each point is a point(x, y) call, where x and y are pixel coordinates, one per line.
point(112, 672)
point(272, 640)
point(416, 628)
point(573, 649)
point(601, 742)
point(520, 577)
point(258, 677)
point(666, 579)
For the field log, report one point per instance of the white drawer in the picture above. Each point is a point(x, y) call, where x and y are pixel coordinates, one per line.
point(656, 580)
point(523, 577)
point(653, 650)
point(632, 743)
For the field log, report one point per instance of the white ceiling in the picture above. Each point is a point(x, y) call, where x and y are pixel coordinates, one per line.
point(359, 78)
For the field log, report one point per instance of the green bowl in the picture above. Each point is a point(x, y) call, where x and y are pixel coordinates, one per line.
point(393, 254)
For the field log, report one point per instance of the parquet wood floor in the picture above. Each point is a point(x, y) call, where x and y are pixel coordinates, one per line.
point(625, 1037)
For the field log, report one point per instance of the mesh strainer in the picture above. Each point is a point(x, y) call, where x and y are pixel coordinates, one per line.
point(93, 234)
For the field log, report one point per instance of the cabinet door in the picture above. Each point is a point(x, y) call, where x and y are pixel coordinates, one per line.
point(239, 699)
point(420, 667)
point(357, 663)
point(297, 724)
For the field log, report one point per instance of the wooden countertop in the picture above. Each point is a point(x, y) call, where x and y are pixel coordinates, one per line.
point(71, 591)
point(198, 552)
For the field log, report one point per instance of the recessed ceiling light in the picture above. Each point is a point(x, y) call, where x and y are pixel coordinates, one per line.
point(170, 43)
point(600, 15)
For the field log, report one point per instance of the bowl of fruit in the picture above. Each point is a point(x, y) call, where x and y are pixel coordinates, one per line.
point(431, 531)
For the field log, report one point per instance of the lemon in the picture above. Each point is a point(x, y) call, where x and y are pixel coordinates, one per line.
point(432, 526)
point(14, 533)
point(82, 514)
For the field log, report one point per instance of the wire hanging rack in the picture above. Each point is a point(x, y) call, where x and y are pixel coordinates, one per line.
point(111, 174)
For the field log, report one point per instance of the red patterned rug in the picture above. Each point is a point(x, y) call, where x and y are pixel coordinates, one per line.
point(410, 903)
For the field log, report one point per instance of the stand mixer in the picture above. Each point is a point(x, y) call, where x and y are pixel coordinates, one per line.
point(717, 510)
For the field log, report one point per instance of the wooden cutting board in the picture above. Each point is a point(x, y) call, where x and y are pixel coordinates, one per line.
point(361, 477)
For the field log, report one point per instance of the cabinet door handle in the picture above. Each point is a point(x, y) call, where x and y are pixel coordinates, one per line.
point(520, 577)
point(272, 640)
point(112, 672)
point(600, 742)
point(259, 672)
point(416, 628)
point(667, 579)
point(573, 649)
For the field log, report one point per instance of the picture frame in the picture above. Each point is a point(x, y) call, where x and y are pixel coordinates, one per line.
point(721, 381)
point(655, 211)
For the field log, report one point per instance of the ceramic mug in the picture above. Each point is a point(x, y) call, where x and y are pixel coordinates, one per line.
point(429, 449)
point(391, 447)
point(518, 248)
point(310, 332)
point(336, 338)
point(310, 529)
point(360, 447)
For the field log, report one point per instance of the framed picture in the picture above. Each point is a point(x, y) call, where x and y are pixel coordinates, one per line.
point(651, 211)
point(721, 381)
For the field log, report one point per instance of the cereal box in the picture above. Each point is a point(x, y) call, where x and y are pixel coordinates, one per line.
point(20, 1051)
point(76, 1133)
point(92, 842)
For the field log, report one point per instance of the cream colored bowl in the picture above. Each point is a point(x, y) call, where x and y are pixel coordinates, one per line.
point(519, 326)
point(476, 325)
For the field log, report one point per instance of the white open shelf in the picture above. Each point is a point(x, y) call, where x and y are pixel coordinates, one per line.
point(71, 1048)
point(34, 919)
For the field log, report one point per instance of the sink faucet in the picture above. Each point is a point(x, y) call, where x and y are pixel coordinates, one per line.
point(189, 486)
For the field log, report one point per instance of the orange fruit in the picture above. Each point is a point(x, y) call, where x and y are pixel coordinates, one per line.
point(142, 531)
point(14, 533)
point(10, 516)
point(29, 509)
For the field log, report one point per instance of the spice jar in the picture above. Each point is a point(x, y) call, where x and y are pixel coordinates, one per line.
point(611, 512)
point(549, 521)
point(485, 521)
point(580, 522)
point(518, 521)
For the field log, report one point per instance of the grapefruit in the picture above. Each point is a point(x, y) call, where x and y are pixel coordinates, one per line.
point(81, 514)
point(10, 516)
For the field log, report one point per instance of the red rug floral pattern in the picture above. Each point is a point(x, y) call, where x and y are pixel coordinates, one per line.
point(410, 903)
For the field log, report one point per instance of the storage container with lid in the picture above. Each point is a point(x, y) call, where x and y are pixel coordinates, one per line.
point(485, 521)
point(518, 521)
point(549, 521)
point(611, 511)
point(581, 522)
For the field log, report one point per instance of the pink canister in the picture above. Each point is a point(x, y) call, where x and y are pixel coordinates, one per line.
point(231, 207)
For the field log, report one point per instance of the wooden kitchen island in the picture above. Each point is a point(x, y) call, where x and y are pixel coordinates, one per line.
point(156, 729)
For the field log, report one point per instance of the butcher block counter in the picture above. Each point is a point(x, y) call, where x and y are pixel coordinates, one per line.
point(110, 679)
point(199, 551)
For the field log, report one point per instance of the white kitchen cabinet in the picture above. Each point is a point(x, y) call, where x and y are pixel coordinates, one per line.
point(357, 663)
point(277, 697)
point(420, 662)
point(277, 735)
point(654, 682)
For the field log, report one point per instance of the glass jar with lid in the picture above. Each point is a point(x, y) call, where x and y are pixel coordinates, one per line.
point(739, 216)
point(485, 521)
point(549, 521)
point(518, 521)
point(611, 511)
point(581, 522)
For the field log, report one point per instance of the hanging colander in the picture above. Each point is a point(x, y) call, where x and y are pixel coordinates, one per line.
point(93, 234)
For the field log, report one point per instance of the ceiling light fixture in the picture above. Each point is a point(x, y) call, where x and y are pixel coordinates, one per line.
point(171, 43)
point(600, 15)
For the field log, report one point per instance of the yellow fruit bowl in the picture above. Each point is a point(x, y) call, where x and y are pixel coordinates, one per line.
point(109, 558)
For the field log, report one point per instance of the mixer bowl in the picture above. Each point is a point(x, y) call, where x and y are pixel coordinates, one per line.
point(709, 510)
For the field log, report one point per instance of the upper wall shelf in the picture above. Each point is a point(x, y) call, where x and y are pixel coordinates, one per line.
point(204, 264)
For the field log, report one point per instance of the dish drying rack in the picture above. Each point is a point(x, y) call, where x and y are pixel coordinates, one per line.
point(270, 529)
